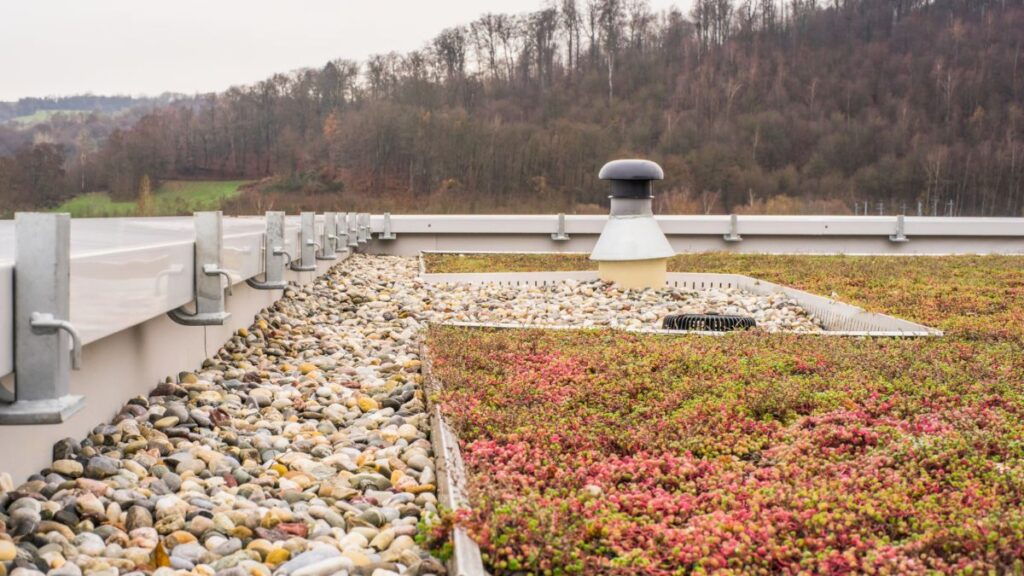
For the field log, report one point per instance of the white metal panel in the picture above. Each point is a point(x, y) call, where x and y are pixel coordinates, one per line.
point(6, 241)
point(6, 318)
point(964, 227)
point(487, 224)
point(241, 255)
point(292, 232)
point(697, 225)
point(111, 291)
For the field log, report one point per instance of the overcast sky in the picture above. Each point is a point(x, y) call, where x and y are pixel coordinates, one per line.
point(60, 47)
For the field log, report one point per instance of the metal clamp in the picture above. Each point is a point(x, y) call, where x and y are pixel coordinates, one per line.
point(734, 230)
point(42, 302)
point(45, 323)
point(210, 299)
point(307, 243)
point(279, 251)
point(899, 236)
point(273, 267)
point(386, 233)
point(561, 234)
point(212, 270)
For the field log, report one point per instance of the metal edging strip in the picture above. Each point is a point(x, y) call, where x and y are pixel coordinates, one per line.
point(466, 559)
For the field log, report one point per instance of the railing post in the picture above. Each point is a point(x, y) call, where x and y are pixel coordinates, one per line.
point(364, 227)
point(900, 235)
point(353, 230)
point(386, 233)
point(561, 234)
point(734, 230)
point(341, 231)
point(42, 331)
point(210, 292)
point(328, 238)
point(307, 243)
point(275, 257)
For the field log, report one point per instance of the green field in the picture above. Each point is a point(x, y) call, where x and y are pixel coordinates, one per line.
point(40, 116)
point(172, 198)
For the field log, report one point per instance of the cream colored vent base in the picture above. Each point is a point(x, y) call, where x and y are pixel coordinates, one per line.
point(634, 274)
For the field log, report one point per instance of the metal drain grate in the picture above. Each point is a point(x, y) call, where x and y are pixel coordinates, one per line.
point(708, 322)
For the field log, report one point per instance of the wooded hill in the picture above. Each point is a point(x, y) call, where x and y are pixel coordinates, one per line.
point(753, 106)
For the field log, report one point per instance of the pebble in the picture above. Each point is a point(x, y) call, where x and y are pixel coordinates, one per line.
point(69, 468)
point(100, 467)
point(7, 551)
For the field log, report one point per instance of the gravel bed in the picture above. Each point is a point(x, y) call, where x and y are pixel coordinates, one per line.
point(302, 447)
point(572, 303)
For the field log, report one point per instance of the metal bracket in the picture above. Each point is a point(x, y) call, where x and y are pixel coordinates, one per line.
point(561, 235)
point(899, 236)
point(273, 255)
point(364, 227)
point(734, 234)
point(386, 233)
point(341, 232)
point(353, 230)
point(210, 299)
point(42, 294)
point(307, 243)
point(328, 238)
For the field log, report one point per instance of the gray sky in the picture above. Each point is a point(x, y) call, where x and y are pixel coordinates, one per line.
point(59, 47)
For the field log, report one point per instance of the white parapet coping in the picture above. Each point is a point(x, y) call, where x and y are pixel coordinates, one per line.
point(752, 234)
point(696, 225)
point(127, 271)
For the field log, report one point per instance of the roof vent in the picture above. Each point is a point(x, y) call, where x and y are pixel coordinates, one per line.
point(632, 250)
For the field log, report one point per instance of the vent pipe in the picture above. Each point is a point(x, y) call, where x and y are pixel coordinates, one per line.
point(632, 251)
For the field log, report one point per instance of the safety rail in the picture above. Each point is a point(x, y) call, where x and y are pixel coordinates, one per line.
point(412, 233)
point(80, 281)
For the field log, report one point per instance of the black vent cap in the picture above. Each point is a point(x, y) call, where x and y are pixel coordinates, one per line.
point(631, 178)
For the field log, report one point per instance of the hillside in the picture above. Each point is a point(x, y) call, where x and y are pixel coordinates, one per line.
point(171, 198)
point(41, 108)
point(752, 106)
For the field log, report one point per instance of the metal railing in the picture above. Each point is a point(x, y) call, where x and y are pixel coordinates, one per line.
point(79, 281)
point(735, 233)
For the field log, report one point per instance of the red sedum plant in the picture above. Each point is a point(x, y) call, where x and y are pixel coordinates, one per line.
point(602, 452)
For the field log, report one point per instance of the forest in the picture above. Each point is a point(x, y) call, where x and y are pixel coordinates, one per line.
point(751, 106)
